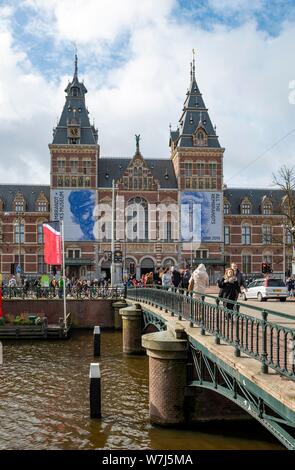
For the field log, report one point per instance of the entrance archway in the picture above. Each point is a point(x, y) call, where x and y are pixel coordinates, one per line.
point(146, 266)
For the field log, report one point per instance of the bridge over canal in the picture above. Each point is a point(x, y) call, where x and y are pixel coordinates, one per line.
point(220, 353)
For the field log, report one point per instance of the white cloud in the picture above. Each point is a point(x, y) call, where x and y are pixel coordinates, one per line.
point(243, 75)
point(99, 19)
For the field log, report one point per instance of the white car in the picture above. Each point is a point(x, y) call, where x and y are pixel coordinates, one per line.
point(267, 288)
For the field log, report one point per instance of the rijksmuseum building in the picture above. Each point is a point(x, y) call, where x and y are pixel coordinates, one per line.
point(157, 203)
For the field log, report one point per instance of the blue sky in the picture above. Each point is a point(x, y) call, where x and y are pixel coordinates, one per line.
point(134, 57)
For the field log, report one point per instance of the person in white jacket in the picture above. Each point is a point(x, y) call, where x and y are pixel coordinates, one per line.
point(199, 280)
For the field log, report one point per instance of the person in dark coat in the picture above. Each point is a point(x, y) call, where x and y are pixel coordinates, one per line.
point(176, 277)
point(240, 277)
point(156, 277)
point(229, 288)
point(185, 279)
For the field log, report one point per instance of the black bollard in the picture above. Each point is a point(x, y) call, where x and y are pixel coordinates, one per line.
point(96, 341)
point(95, 390)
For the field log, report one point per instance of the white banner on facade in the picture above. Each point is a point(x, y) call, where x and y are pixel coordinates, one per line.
point(201, 217)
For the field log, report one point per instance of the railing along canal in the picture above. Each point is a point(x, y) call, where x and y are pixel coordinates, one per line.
point(86, 292)
point(267, 341)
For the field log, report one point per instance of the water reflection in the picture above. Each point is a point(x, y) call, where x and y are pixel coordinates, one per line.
point(44, 402)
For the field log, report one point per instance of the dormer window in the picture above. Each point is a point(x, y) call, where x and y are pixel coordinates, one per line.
point(200, 138)
point(41, 203)
point(246, 207)
point(266, 206)
point(19, 203)
point(226, 208)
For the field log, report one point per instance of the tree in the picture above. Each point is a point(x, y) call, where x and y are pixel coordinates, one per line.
point(285, 180)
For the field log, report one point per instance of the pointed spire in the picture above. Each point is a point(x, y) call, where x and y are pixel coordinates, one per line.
point(76, 67)
point(194, 66)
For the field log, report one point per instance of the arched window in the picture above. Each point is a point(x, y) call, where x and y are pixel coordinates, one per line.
point(137, 219)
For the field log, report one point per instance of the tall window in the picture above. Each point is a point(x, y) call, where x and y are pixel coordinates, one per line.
point(40, 233)
point(246, 235)
point(169, 227)
point(226, 208)
point(137, 219)
point(200, 169)
point(188, 169)
point(213, 169)
point(19, 232)
point(74, 166)
point(86, 166)
point(61, 165)
point(41, 265)
point(288, 237)
point(246, 264)
point(226, 235)
point(266, 234)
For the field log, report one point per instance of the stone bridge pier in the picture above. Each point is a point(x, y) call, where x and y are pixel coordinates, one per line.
point(132, 328)
point(172, 400)
point(167, 377)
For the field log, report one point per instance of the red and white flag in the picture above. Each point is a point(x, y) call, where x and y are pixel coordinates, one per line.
point(52, 243)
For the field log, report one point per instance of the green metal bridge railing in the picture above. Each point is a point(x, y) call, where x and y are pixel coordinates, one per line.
point(269, 342)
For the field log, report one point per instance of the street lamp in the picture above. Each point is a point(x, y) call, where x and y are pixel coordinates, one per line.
point(284, 250)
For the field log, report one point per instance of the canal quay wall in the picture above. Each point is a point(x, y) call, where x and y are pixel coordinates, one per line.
point(84, 313)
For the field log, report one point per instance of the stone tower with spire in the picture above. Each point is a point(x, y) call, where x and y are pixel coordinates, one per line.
point(198, 162)
point(74, 149)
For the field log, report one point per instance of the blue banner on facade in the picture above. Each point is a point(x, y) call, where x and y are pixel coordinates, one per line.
point(76, 208)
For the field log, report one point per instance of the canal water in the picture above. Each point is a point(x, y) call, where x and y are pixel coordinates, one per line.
point(44, 402)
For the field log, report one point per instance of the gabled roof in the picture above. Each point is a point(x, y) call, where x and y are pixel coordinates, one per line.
point(114, 168)
point(29, 192)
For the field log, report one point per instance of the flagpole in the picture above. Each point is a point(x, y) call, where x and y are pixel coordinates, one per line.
point(113, 234)
point(64, 273)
